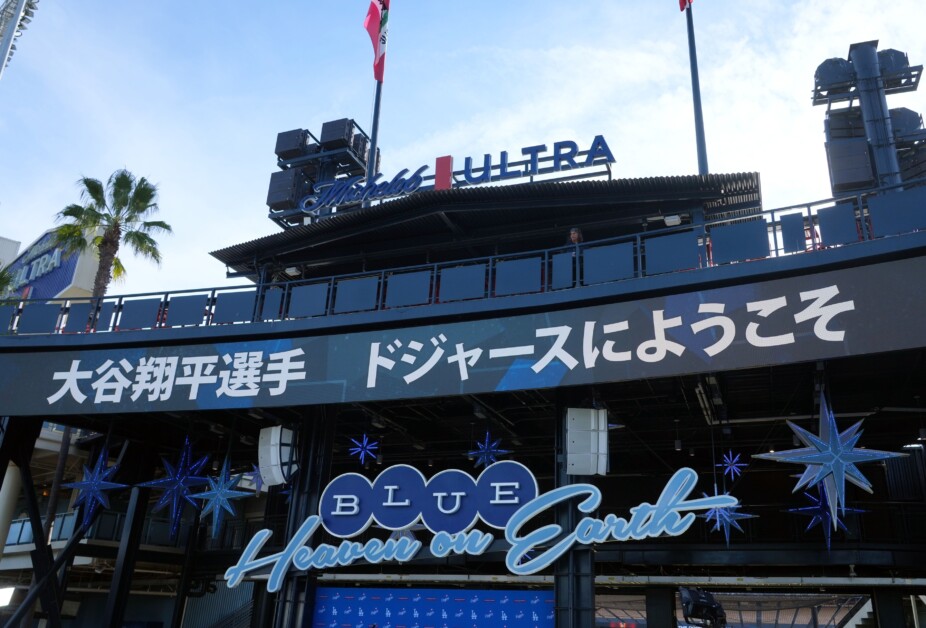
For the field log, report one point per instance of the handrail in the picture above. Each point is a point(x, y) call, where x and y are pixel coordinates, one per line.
point(542, 270)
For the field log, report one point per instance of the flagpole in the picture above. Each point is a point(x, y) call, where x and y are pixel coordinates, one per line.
point(696, 95)
point(374, 135)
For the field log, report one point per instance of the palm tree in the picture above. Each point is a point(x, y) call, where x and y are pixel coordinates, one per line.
point(109, 217)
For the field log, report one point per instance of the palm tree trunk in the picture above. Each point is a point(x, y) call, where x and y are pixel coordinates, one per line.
point(109, 247)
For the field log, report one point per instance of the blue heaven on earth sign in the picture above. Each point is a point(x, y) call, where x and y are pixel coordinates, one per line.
point(450, 504)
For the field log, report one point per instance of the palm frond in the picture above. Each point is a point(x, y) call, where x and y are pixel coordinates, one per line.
point(70, 237)
point(86, 217)
point(154, 225)
point(92, 192)
point(118, 269)
point(120, 186)
point(142, 244)
point(143, 200)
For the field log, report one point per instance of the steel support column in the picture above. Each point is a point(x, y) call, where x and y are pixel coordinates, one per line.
point(574, 572)
point(888, 607)
point(42, 559)
point(660, 608)
point(125, 559)
point(316, 441)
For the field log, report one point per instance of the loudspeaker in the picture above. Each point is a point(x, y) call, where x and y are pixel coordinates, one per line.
point(586, 441)
point(337, 133)
point(275, 455)
point(360, 144)
point(286, 188)
point(291, 144)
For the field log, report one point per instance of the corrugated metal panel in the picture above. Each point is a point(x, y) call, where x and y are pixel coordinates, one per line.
point(214, 607)
point(716, 190)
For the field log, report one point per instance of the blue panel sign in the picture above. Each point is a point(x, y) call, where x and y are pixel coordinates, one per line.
point(450, 505)
point(853, 311)
point(43, 271)
point(341, 607)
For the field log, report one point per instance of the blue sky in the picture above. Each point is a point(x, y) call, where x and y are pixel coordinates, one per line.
point(192, 95)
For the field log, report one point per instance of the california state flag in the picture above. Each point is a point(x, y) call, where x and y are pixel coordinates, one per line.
point(377, 25)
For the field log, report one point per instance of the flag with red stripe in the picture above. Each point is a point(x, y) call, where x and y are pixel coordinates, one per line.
point(377, 25)
point(684, 4)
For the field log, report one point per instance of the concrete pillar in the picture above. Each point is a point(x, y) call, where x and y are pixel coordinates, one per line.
point(9, 497)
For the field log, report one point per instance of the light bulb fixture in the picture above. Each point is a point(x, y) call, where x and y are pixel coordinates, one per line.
point(377, 423)
point(691, 452)
point(922, 436)
point(771, 449)
point(678, 444)
point(379, 459)
point(430, 462)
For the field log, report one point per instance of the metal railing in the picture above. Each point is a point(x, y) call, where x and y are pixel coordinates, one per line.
point(795, 230)
point(108, 527)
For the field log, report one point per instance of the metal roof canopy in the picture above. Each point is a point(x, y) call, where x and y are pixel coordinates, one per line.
point(434, 226)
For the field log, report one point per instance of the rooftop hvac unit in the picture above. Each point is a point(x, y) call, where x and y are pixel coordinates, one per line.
point(337, 133)
point(286, 188)
point(291, 144)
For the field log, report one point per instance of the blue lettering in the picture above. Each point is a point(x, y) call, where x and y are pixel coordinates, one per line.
point(503, 172)
point(486, 170)
point(534, 153)
point(599, 149)
point(564, 152)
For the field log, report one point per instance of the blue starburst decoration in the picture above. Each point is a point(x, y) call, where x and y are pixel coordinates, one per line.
point(488, 451)
point(92, 489)
point(364, 448)
point(725, 518)
point(218, 497)
point(830, 459)
point(820, 513)
point(731, 465)
point(177, 483)
point(256, 478)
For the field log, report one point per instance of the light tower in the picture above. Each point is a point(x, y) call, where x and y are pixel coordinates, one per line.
point(14, 16)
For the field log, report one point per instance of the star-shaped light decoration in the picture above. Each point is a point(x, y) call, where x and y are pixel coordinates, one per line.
point(256, 478)
point(488, 451)
point(221, 492)
point(94, 486)
point(176, 485)
point(731, 465)
point(725, 518)
point(819, 511)
point(830, 459)
point(364, 448)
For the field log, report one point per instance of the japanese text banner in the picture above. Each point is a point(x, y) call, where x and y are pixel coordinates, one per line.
point(840, 313)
